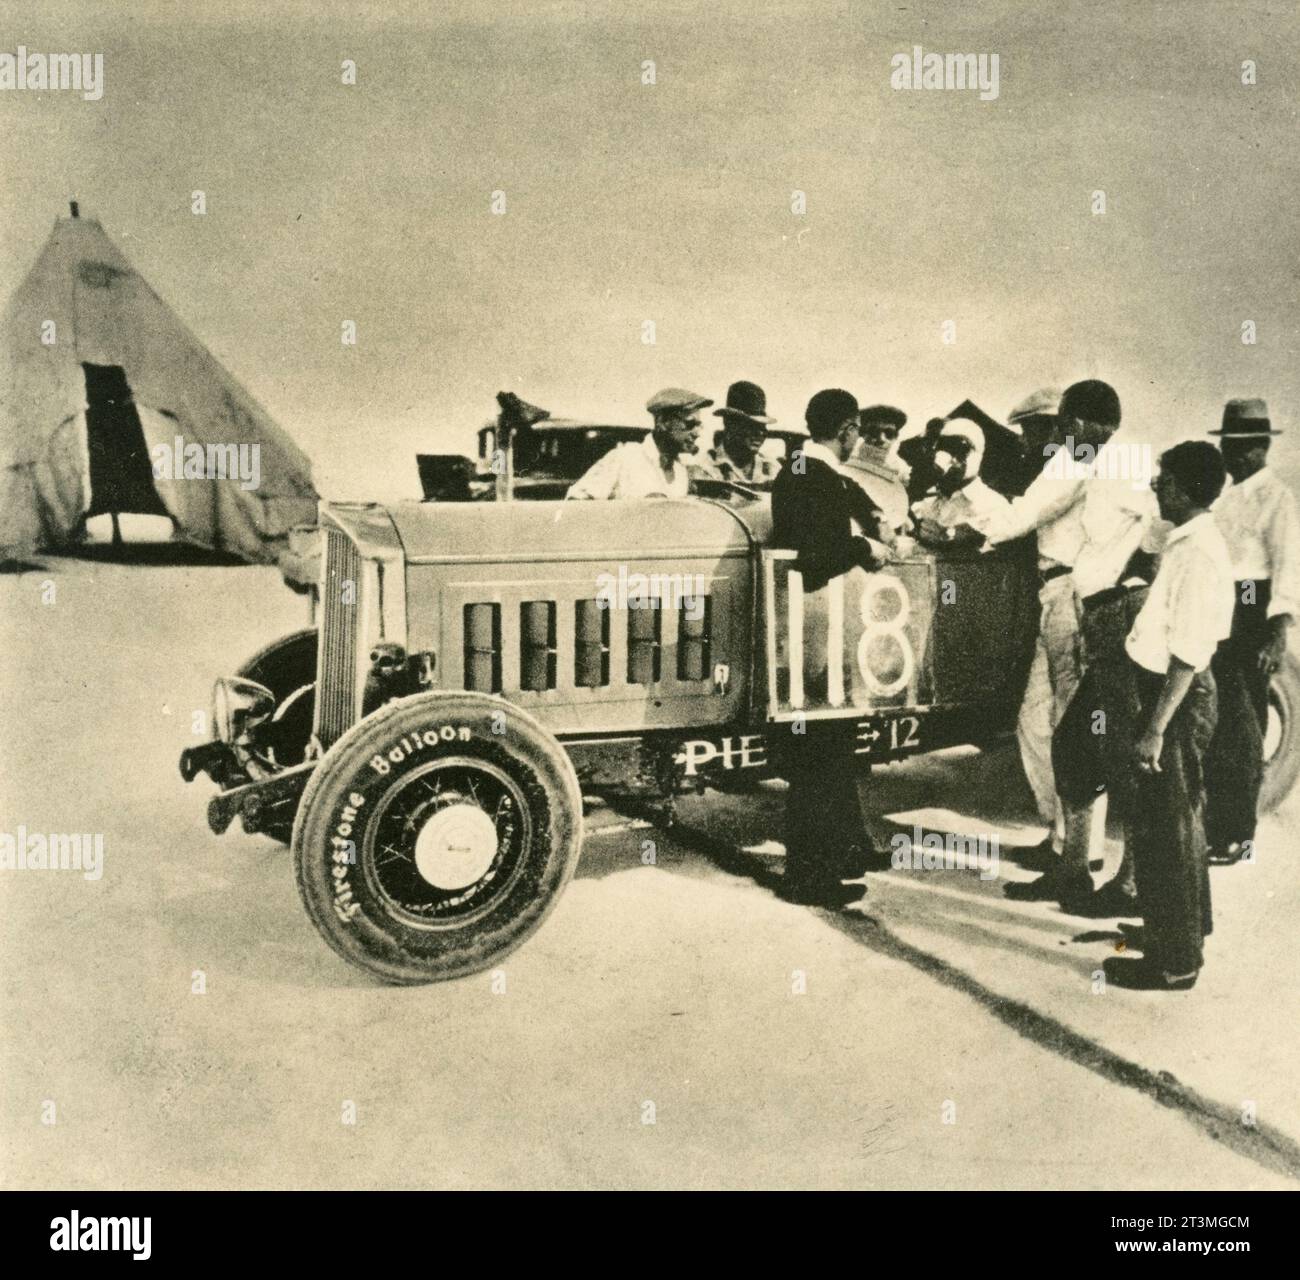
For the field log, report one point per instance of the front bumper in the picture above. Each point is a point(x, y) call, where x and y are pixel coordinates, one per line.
point(262, 805)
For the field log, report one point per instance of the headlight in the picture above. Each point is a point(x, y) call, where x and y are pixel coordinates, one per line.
point(239, 705)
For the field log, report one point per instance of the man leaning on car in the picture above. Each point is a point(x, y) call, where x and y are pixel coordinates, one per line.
point(814, 509)
point(654, 467)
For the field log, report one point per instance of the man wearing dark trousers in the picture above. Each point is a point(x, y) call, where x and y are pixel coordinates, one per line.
point(1187, 613)
point(1092, 743)
point(814, 511)
point(1257, 517)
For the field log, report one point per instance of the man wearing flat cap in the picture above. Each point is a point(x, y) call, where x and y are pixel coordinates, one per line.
point(654, 467)
point(1258, 519)
point(1036, 419)
point(744, 429)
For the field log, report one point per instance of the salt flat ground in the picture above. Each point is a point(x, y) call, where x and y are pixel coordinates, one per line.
point(939, 1036)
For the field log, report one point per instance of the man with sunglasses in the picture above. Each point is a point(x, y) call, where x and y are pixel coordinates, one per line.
point(882, 424)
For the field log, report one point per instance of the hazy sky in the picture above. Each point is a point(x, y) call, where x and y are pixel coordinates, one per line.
point(672, 203)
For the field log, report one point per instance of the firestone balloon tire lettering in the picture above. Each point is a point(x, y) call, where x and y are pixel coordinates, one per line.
point(448, 860)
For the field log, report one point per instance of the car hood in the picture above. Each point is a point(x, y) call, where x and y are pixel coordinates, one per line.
point(435, 531)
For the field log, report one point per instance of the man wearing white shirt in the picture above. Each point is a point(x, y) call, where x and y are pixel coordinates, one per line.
point(1258, 519)
point(1109, 509)
point(653, 467)
point(1187, 612)
point(950, 512)
point(1052, 508)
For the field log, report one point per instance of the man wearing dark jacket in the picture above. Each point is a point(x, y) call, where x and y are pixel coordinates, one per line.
point(814, 511)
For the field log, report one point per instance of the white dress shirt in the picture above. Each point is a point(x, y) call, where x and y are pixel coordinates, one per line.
point(973, 504)
point(632, 470)
point(1189, 608)
point(1120, 514)
point(1259, 522)
point(822, 452)
point(1053, 507)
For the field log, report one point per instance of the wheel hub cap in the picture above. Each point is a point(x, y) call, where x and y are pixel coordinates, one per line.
point(456, 847)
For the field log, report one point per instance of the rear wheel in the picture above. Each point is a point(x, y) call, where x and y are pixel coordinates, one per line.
point(1281, 736)
point(436, 835)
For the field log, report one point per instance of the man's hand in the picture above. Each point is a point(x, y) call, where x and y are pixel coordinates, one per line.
point(1273, 654)
point(866, 555)
point(1148, 749)
point(931, 531)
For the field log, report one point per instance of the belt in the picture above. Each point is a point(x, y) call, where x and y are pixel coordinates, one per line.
point(1100, 598)
point(1056, 571)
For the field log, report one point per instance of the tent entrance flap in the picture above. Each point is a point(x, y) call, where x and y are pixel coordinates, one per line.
point(121, 476)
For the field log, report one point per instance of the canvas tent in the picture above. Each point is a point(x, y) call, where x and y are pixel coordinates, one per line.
point(96, 372)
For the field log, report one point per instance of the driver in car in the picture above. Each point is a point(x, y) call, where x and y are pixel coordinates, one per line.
point(655, 466)
point(949, 513)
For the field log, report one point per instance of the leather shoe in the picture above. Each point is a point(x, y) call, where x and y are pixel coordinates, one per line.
point(1146, 975)
point(829, 894)
point(1110, 901)
point(1044, 856)
point(1036, 857)
point(1134, 935)
point(1225, 855)
point(864, 858)
point(1052, 887)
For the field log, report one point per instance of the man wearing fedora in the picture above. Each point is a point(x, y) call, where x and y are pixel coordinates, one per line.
point(745, 422)
point(1259, 522)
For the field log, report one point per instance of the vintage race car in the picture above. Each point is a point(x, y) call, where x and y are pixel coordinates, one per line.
point(478, 667)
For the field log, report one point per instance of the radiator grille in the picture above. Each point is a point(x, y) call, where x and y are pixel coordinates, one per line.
point(336, 671)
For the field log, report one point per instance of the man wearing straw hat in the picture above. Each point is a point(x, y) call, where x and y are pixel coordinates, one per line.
point(1259, 522)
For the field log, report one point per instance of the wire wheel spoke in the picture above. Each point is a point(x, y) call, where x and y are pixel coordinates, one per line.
point(447, 840)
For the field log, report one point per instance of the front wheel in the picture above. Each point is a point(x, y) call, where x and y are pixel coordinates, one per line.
point(436, 835)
